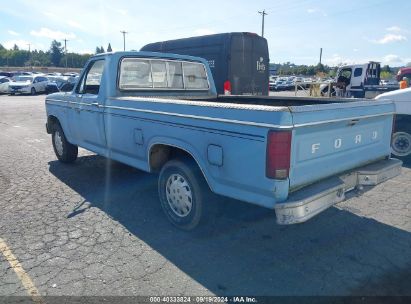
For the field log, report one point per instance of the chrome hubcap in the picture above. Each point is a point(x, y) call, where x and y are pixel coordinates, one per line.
point(179, 195)
point(401, 144)
point(58, 143)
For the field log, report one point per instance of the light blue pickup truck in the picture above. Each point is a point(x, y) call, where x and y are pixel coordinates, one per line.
point(160, 113)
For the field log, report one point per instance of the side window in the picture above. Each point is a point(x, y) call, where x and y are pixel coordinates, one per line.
point(195, 76)
point(357, 72)
point(90, 83)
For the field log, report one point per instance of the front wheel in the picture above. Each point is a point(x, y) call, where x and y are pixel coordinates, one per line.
point(183, 193)
point(401, 144)
point(65, 151)
point(33, 91)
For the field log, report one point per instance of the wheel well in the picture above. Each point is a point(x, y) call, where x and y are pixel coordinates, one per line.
point(51, 122)
point(160, 154)
point(402, 123)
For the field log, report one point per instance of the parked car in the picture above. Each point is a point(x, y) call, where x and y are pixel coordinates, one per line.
point(61, 84)
point(161, 113)
point(71, 74)
point(4, 84)
point(27, 84)
point(6, 74)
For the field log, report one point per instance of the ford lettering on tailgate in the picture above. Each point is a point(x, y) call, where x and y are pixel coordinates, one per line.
point(315, 146)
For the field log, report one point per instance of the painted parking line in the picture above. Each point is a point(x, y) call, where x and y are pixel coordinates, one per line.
point(21, 273)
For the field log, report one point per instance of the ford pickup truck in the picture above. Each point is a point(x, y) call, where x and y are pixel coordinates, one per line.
point(160, 113)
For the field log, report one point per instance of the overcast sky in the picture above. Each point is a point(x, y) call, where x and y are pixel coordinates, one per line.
point(348, 31)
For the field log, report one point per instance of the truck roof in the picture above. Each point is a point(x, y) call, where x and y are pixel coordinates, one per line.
point(151, 55)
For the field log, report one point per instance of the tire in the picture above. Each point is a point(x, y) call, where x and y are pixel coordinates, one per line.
point(65, 151)
point(183, 193)
point(401, 144)
point(33, 91)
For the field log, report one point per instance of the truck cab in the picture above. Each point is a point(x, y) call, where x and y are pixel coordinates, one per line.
point(355, 80)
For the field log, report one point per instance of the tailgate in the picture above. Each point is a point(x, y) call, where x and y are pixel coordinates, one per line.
point(333, 138)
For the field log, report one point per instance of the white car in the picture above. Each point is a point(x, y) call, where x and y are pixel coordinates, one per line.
point(28, 84)
point(4, 84)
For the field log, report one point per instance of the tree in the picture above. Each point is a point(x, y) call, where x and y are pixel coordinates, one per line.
point(385, 75)
point(109, 48)
point(99, 50)
point(386, 68)
point(56, 52)
point(15, 47)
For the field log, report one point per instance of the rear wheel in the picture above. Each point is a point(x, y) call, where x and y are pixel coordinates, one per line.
point(183, 193)
point(65, 151)
point(33, 91)
point(401, 144)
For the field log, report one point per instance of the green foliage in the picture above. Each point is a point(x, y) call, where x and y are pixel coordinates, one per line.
point(109, 49)
point(53, 57)
point(99, 50)
point(56, 52)
point(386, 68)
point(386, 75)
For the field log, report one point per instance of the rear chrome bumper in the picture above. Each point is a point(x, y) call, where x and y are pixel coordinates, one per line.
point(312, 200)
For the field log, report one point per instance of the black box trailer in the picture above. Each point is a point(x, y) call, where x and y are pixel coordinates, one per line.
point(239, 61)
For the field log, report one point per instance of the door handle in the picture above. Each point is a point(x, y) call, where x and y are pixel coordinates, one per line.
point(94, 104)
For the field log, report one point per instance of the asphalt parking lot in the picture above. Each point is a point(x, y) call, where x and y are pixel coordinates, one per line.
point(96, 228)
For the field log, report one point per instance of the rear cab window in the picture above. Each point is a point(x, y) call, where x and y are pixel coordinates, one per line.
point(158, 74)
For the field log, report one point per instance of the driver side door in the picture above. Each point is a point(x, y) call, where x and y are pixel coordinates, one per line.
point(87, 112)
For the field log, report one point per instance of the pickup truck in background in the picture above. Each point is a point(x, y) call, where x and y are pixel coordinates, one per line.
point(160, 113)
point(401, 138)
point(358, 81)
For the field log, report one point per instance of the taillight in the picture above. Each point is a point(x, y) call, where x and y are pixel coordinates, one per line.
point(227, 88)
point(278, 154)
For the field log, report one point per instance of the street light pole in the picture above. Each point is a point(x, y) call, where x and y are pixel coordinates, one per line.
point(263, 14)
point(124, 39)
point(65, 51)
point(29, 53)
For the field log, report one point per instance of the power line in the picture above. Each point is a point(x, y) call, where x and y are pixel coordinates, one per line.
point(263, 14)
point(124, 39)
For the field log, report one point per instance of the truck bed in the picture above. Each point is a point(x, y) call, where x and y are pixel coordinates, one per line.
point(283, 100)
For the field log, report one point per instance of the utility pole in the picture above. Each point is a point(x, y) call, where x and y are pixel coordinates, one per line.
point(321, 54)
point(65, 51)
point(124, 39)
point(29, 53)
point(263, 14)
